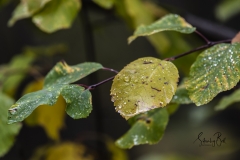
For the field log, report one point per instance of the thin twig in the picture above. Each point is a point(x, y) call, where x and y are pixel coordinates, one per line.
point(203, 37)
point(110, 69)
point(210, 44)
point(100, 83)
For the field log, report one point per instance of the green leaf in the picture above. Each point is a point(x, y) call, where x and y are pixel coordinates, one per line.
point(226, 9)
point(144, 84)
point(170, 22)
point(181, 96)
point(26, 104)
point(64, 74)
point(57, 14)
point(172, 108)
point(25, 9)
point(107, 4)
point(79, 101)
point(7, 132)
point(147, 128)
point(215, 70)
point(228, 100)
point(16, 71)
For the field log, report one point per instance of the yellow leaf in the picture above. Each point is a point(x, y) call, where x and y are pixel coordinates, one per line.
point(51, 118)
point(67, 151)
point(116, 152)
point(143, 85)
point(62, 151)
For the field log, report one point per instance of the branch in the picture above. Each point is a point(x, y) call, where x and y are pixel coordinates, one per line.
point(102, 82)
point(209, 44)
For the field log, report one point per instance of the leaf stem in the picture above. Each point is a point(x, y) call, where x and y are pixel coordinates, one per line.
point(110, 69)
point(203, 37)
point(209, 44)
point(100, 83)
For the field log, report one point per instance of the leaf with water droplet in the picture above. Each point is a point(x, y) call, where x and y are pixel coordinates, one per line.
point(216, 69)
point(26, 104)
point(7, 132)
point(79, 101)
point(181, 96)
point(228, 100)
point(144, 84)
point(170, 22)
point(147, 128)
point(62, 73)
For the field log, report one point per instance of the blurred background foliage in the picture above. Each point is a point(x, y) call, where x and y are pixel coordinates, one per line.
point(37, 34)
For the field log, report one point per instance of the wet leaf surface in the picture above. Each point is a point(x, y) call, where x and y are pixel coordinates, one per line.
point(57, 14)
point(147, 128)
point(142, 85)
point(62, 73)
point(29, 102)
point(170, 22)
point(43, 115)
point(216, 69)
point(228, 100)
point(7, 132)
point(79, 101)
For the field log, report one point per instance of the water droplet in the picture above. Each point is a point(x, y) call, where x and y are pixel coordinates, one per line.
point(126, 79)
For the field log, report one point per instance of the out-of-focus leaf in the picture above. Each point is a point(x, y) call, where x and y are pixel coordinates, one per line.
point(116, 152)
point(181, 96)
point(139, 14)
point(25, 9)
point(16, 71)
point(156, 10)
point(170, 22)
point(46, 50)
point(168, 157)
point(142, 85)
point(107, 4)
point(216, 69)
point(228, 100)
point(147, 128)
point(51, 118)
point(227, 8)
point(172, 108)
point(62, 151)
point(61, 73)
point(7, 132)
point(29, 102)
point(57, 14)
point(79, 101)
